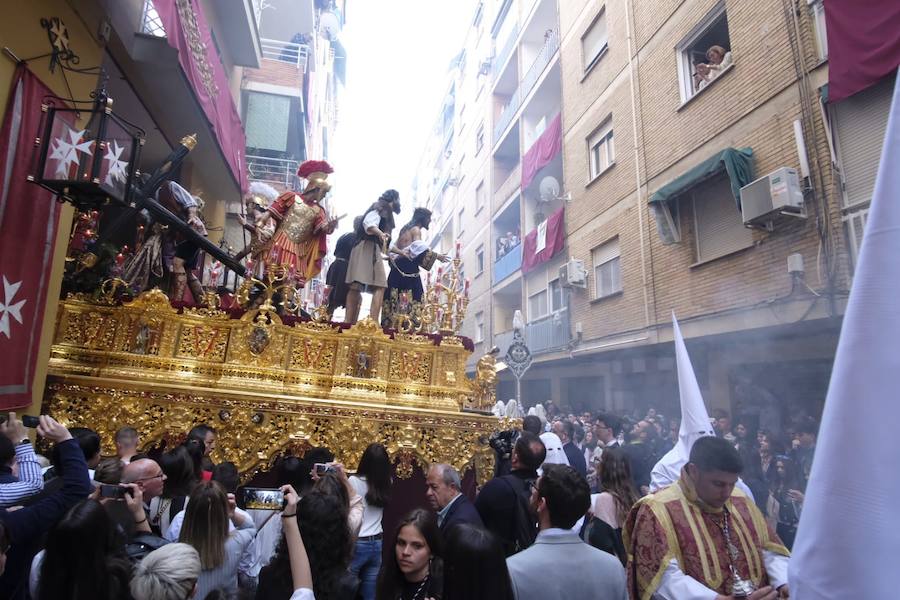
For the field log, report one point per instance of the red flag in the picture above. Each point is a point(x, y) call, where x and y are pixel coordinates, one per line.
point(29, 217)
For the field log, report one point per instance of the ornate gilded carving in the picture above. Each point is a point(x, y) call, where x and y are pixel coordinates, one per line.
point(270, 388)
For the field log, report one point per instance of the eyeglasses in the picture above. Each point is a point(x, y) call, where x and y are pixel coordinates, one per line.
point(157, 476)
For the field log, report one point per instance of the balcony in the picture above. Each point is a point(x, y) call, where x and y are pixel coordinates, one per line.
point(510, 185)
point(545, 335)
point(547, 52)
point(277, 172)
point(503, 55)
point(508, 264)
point(286, 52)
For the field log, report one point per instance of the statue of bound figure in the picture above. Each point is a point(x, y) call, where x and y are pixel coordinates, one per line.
point(485, 383)
point(302, 225)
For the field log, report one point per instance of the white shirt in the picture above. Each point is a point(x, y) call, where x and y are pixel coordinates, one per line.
point(303, 594)
point(372, 219)
point(676, 585)
point(174, 530)
point(372, 515)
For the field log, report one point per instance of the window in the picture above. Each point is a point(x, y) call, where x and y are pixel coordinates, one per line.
point(607, 269)
point(718, 225)
point(459, 216)
point(537, 305)
point(267, 121)
point(601, 149)
point(817, 11)
point(479, 139)
point(556, 296)
point(479, 327)
point(479, 259)
point(705, 54)
point(479, 197)
point(594, 41)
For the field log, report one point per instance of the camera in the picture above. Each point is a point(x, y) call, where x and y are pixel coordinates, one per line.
point(263, 499)
point(322, 468)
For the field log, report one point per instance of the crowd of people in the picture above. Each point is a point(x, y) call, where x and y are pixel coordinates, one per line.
point(507, 242)
point(171, 524)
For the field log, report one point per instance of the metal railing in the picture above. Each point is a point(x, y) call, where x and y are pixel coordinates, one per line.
point(286, 52)
point(503, 55)
point(508, 264)
point(548, 50)
point(544, 335)
point(151, 24)
point(274, 171)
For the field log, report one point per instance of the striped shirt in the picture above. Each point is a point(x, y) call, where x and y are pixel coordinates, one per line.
point(31, 479)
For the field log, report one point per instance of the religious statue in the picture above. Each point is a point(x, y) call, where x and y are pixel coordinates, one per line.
point(261, 230)
point(485, 382)
point(301, 225)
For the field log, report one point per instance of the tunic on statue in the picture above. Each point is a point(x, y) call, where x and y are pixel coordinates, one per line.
point(674, 524)
point(366, 265)
point(299, 242)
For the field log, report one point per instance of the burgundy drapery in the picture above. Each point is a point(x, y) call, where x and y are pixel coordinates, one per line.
point(218, 107)
point(542, 151)
point(556, 239)
point(29, 218)
point(863, 44)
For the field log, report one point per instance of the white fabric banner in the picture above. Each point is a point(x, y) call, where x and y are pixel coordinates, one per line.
point(541, 241)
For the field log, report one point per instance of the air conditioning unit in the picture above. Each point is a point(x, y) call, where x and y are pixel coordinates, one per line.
point(572, 274)
point(778, 193)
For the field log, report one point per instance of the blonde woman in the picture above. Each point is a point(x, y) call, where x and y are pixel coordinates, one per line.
point(206, 528)
point(168, 573)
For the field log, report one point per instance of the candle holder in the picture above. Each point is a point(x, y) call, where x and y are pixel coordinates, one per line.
point(446, 300)
point(278, 282)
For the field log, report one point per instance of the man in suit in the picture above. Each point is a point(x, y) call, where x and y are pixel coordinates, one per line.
point(565, 429)
point(559, 499)
point(445, 496)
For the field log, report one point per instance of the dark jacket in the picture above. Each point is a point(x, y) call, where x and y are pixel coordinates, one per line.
point(27, 526)
point(496, 503)
point(576, 458)
point(461, 511)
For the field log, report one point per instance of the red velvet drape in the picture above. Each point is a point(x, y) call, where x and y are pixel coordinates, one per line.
point(29, 218)
point(556, 239)
point(863, 44)
point(542, 151)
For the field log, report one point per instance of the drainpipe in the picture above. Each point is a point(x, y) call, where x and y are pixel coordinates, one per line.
point(637, 159)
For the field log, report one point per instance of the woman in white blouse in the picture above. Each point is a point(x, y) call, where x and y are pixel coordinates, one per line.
point(372, 483)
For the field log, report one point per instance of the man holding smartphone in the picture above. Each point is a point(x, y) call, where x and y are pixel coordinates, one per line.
point(20, 472)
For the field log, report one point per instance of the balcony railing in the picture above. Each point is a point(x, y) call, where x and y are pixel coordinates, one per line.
point(503, 55)
point(151, 24)
point(512, 183)
point(508, 264)
point(278, 172)
point(551, 45)
point(286, 52)
point(542, 336)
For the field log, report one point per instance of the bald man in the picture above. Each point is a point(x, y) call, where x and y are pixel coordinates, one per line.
point(148, 476)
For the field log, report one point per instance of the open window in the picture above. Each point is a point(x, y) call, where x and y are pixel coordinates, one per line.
point(602, 153)
point(594, 41)
point(705, 54)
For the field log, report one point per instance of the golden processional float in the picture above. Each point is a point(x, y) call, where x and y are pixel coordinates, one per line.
point(275, 385)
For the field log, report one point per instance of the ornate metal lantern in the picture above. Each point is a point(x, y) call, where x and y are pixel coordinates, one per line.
point(88, 167)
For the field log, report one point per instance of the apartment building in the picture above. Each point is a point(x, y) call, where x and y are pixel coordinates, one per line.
point(614, 179)
point(290, 102)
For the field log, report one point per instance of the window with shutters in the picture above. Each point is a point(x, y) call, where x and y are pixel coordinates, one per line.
point(607, 269)
point(537, 305)
point(556, 296)
point(594, 41)
point(480, 194)
point(479, 260)
point(267, 121)
point(602, 152)
point(855, 224)
point(817, 12)
point(718, 226)
point(858, 124)
point(479, 327)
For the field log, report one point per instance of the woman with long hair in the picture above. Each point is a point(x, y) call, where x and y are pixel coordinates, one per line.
point(475, 566)
point(181, 477)
point(373, 483)
point(617, 496)
point(84, 558)
point(785, 499)
point(206, 528)
point(414, 570)
point(326, 536)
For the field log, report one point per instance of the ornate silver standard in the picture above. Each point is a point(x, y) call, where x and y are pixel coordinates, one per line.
point(740, 588)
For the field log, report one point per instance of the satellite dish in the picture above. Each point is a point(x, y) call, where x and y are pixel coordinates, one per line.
point(549, 189)
point(329, 25)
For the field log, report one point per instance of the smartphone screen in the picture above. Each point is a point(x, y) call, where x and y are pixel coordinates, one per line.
point(30, 421)
point(263, 499)
point(322, 468)
point(112, 491)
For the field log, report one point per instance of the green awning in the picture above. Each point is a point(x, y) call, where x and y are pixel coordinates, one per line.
point(736, 162)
